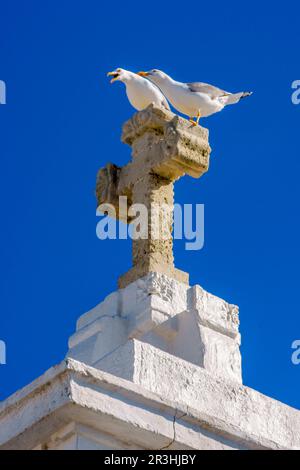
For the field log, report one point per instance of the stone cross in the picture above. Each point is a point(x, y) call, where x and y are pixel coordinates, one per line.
point(164, 148)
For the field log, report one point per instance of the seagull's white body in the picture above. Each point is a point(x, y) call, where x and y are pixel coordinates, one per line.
point(193, 99)
point(190, 103)
point(140, 91)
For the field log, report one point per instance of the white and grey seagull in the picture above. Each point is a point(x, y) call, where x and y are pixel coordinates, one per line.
point(196, 99)
point(140, 91)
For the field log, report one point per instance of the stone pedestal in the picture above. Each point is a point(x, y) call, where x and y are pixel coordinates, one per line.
point(186, 322)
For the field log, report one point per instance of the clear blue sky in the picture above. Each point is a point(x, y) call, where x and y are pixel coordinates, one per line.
point(63, 121)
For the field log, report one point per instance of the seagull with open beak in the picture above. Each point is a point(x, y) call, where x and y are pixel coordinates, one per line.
point(193, 99)
point(140, 91)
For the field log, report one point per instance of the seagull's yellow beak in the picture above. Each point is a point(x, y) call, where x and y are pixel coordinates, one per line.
point(143, 74)
point(113, 74)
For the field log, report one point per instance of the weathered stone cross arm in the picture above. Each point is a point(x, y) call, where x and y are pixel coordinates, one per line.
point(164, 148)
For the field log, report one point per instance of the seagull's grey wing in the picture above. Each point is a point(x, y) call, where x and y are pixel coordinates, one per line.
point(212, 91)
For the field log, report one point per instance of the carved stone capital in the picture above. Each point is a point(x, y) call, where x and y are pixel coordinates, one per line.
point(165, 144)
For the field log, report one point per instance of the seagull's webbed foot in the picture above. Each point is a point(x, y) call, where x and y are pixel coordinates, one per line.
point(195, 123)
point(191, 120)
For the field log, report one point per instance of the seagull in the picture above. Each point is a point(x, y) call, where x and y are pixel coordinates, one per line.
point(140, 91)
point(196, 99)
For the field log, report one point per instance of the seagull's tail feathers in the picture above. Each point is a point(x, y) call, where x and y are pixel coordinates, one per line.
point(236, 97)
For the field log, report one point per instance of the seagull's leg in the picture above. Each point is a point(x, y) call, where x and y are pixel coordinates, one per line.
point(192, 121)
point(198, 118)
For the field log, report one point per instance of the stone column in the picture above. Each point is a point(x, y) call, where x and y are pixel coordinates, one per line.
point(157, 194)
